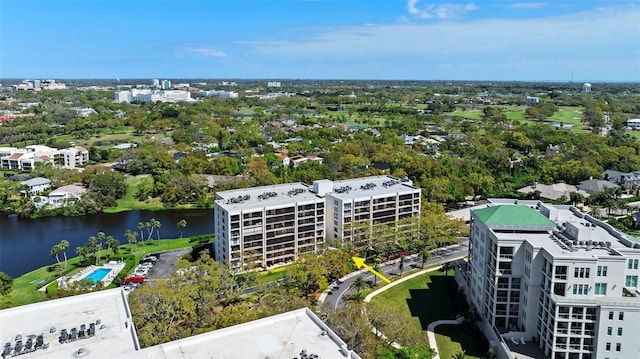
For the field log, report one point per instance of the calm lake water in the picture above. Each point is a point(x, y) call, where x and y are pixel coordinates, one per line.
point(25, 244)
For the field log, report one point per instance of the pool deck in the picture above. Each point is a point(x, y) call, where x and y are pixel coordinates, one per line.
point(114, 266)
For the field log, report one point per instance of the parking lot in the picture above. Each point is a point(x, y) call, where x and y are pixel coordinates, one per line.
point(166, 264)
point(154, 267)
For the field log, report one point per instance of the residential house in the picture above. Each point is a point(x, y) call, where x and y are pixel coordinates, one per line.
point(62, 196)
point(36, 185)
point(628, 179)
point(299, 159)
point(553, 192)
point(595, 186)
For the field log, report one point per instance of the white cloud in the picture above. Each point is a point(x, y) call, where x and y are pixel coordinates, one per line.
point(529, 5)
point(206, 51)
point(607, 40)
point(443, 11)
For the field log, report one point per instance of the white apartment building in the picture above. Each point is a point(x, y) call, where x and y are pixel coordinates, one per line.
point(147, 95)
point(267, 226)
point(25, 159)
point(272, 225)
point(369, 201)
point(217, 93)
point(555, 277)
point(73, 157)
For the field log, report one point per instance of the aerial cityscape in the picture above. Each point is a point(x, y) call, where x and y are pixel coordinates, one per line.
point(320, 179)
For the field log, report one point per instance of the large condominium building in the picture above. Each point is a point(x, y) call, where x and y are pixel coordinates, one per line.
point(267, 226)
point(362, 203)
point(556, 277)
point(272, 225)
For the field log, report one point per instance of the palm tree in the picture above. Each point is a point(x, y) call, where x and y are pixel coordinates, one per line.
point(356, 297)
point(459, 355)
point(181, 224)
point(112, 244)
point(64, 244)
point(377, 268)
point(156, 224)
point(55, 250)
point(131, 238)
point(401, 265)
point(359, 284)
point(424, 255)
point(140, 228)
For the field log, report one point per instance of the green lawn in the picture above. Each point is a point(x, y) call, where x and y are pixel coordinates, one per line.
point(428, 298)
point(130, 202)
point(418, 296)
point(271, 275)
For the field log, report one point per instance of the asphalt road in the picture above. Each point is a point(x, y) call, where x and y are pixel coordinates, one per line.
point(391, 270)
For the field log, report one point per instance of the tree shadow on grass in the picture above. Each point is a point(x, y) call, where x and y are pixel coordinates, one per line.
point(437, 302)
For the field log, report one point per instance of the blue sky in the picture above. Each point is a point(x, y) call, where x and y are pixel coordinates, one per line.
point(321, 39)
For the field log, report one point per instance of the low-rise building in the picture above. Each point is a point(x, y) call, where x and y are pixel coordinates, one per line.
point(26, 158)
point(73, 157)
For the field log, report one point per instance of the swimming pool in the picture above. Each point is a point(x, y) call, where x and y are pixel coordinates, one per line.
point(98, 274)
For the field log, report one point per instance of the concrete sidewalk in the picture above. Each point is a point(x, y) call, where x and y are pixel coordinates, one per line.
point(432, 336)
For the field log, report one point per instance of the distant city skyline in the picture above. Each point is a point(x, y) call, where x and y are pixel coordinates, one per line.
point(589, 40)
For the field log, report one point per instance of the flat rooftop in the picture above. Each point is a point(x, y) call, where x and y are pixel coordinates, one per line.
point(265, 196)
point(567, 232)
point(369, 187)
point(280, 336)
point(285, 335)
point(48, 318)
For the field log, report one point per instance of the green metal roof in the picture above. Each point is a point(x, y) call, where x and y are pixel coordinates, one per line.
point(512, 215)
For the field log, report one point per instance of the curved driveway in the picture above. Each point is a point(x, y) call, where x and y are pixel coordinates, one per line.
point(334, 297)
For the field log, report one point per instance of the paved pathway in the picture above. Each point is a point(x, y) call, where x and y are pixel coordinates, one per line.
point(432, 336)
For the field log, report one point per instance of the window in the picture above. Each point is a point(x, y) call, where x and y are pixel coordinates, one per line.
point(610, 315)
point(607, 347)
point(633, 264)
point(581, 273)
point(621, 316)
point(601, 289)
point(580, 289)
point(602, 271)
point(527, 272)
point(618, 347)
point(609, 330)
point(631, 281)
point(619, 331)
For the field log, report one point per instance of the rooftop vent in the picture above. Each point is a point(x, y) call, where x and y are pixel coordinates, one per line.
point(267, 195)
point(369, 185)
point(239, 199)
point(295, 192)
point(343, 189)
point(389, 183)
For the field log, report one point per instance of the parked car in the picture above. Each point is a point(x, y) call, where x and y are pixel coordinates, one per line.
point(134, 279)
